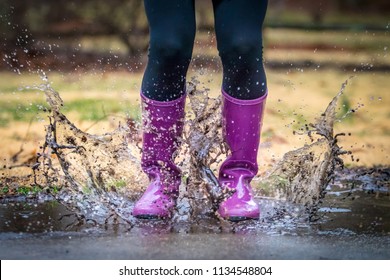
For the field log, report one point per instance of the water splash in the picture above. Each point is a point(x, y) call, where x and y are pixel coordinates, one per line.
point(203, 142)
point(94, 170)
point(99, 176)
point(302, 175)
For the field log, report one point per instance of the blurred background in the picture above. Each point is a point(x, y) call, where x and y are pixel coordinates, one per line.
point(94, 27)
point(94, 53)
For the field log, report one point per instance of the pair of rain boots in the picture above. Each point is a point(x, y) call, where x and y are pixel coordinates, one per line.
point(163, 126)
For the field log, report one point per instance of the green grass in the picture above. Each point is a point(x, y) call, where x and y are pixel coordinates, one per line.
point(26, 190)
point(118, 184)
point(54, 189)
point(21, 190)
point(345, 109)
point(111, 96)
point(19, 111)
point(4, 190)
point(94, 109)
point(87, 109)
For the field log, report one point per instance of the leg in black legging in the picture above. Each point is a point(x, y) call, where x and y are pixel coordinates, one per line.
point(172, 32)
point(238, 27)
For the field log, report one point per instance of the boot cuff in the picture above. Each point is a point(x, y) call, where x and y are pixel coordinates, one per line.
point(163, 103)
point(245, 101)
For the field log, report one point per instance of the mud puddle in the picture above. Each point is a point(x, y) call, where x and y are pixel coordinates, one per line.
point(358, 202)
point(88, 185)
point(354, 223)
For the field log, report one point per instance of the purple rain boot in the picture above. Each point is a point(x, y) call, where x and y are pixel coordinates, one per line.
point(163, 125)
point(242, 125)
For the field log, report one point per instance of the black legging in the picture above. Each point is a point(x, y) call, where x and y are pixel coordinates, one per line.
point(238, 28)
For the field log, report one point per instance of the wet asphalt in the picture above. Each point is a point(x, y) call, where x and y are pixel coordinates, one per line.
point(193, 246)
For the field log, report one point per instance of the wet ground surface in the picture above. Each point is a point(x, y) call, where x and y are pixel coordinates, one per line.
point(192, 246)
point(353, 224)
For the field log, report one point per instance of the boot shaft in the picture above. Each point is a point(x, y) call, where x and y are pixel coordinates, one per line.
point(162, 128)
point(242, 122)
